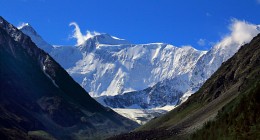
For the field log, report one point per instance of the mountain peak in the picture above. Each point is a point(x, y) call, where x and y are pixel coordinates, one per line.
point(92, 34)
point(24, 25)
point(105, 38)
point(93, 39)
point(27, 29)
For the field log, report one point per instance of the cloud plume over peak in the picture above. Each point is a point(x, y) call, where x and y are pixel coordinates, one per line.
point(79, 36)
point(242, 31)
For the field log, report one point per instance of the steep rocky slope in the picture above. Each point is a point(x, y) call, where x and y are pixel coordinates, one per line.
point(40, 100)
point(239, 119)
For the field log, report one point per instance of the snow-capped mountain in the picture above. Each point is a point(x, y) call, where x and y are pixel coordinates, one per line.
point(106, 65)
point(145, 76)
point(27, 29)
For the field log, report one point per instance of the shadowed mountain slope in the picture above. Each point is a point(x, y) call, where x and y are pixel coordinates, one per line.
point(39, 100)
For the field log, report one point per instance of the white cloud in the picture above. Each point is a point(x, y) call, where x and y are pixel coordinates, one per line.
point(201, 42)
point(258, 1)
point(241, 32)
point(79, 36)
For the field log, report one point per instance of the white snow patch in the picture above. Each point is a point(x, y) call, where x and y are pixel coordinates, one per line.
point(140, 116)
point(44, 68)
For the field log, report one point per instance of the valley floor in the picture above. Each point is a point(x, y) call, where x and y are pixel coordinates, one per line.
point(142, 116)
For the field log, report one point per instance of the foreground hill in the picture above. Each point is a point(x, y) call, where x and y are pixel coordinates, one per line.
point(233, 91)
point(39, 100)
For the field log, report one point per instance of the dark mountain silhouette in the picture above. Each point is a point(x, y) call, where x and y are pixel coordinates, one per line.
point(39, 100)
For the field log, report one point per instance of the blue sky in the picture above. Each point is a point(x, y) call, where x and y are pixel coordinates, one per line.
point(178, 22)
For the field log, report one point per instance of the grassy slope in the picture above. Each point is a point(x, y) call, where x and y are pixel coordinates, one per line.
point(239, 119)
